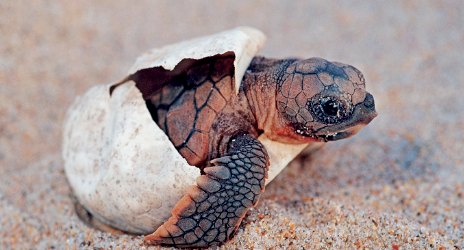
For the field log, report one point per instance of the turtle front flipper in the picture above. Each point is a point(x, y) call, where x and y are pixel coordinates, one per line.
point(213, 209)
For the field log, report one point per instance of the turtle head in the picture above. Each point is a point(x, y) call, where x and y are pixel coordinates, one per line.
point(320, 100)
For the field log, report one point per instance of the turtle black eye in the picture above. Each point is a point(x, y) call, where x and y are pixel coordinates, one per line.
point(330, 107)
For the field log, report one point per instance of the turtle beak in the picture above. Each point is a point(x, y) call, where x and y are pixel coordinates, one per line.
point(365, 112)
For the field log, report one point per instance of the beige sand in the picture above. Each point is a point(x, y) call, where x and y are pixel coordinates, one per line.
point(398, 184)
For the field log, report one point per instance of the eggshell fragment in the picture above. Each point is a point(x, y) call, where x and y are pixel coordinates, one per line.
point(281, 154)
point(120, 164)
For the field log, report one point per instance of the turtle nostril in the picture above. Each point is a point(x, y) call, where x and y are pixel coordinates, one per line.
point(369, 101)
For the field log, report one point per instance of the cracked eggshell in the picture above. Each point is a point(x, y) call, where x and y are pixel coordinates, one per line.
point(245, 42)
point(121, 166)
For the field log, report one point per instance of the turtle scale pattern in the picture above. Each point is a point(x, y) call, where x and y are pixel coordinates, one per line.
point(211, 211)
point(296, 99)
point(186, 107)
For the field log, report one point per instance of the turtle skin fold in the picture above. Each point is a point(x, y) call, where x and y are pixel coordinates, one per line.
point(213, 209)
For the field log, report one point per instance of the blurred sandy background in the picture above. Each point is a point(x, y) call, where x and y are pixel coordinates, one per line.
point(398, 184)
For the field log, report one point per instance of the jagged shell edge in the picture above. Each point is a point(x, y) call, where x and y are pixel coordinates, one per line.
point(245, 42)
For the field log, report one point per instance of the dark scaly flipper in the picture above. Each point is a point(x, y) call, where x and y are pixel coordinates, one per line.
point(213, 210)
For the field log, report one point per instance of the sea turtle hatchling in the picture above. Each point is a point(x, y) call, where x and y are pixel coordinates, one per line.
point(228, 117)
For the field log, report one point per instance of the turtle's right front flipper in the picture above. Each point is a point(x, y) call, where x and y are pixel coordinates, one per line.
point(213, 209)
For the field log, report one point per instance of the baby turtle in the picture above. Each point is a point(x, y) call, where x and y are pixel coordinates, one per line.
point(215, 107)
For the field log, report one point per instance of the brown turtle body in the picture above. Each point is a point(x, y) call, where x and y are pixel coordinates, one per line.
point(290, 101)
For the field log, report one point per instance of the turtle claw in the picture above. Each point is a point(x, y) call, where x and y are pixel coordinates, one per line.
point(213, 209)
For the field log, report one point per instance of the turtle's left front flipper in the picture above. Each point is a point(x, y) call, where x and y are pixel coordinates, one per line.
point(213, 209)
